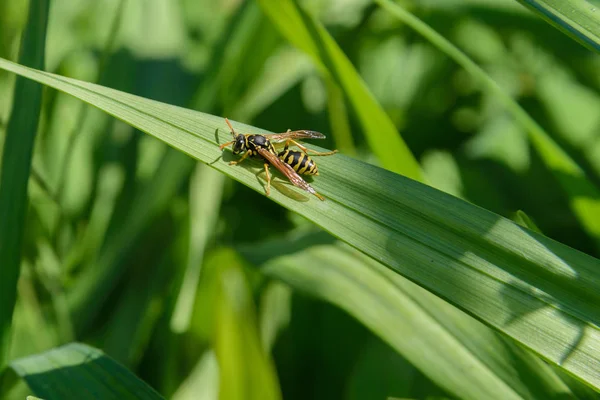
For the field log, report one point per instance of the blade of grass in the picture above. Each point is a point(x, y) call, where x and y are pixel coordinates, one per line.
point(275, 312)
point(579, 19)
point(532, 288)
point(583, 195)
point(77, 371)
point(16, 164)
point(203, 381)
point(455, 351)
point(246, 371)
point(206, 189)
point(338, 117)
point(310, 36)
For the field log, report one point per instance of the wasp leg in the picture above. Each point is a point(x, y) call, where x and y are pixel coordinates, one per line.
point(268, 190)
point(246, 154)
point(307, 151)
point(230, 127)
point(319, 196)
point(226, 144)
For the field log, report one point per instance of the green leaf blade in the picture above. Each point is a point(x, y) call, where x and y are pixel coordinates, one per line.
point(579, 19)
point(534, 289)
point(77, 371)
point(16, 164)
point(455, 351)
point(307, 34)
point(246, 370)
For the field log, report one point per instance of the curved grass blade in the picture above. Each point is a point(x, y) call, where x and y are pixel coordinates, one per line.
point(16, 164)
point(77, 371)
point(311, 37)
point(584, 197)
point(203, 382)
point(532, 288)
point(579, 19)
point(246, 371)
point(458, 353)
point(206, 189)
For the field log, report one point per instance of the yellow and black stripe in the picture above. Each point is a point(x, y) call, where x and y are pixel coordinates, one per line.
point(299, 161)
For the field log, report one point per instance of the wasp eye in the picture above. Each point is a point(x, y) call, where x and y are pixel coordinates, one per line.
point(239, 145)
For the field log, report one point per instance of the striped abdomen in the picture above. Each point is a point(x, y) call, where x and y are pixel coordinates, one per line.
point(300, 162)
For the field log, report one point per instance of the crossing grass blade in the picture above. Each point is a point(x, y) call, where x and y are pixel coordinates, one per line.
point(246, 371)
point(537, 291)
point(458, 353)
point(16, 164)
point(579, 19)
point(77, 371)
point(206, 189)
point(311, 37)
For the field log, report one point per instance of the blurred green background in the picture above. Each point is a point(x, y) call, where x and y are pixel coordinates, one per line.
point(127, 241)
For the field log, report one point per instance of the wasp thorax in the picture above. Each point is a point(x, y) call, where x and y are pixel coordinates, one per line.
point(239, 145)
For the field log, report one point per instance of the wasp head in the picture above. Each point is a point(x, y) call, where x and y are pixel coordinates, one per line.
point(239, 144)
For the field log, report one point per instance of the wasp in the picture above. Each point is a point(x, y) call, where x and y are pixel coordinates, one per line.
point(290, 163)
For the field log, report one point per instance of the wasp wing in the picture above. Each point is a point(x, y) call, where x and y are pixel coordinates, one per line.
point(302, 134)
point(288, 171)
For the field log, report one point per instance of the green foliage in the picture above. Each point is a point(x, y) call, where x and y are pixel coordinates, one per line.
point(15, 167)
point(312, 38)
point(577, 18)
point(80, 371)
point(205, 288)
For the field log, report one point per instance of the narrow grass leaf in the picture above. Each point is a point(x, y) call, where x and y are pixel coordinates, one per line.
point(275, 312)
point(203, 381)
point(338, 117)
point(206, 189)
point(16, 164)
point(246, 371)
point(311, 37)
point(77, 371)
point(579, 19)
point(534, 289)
point(458, 353)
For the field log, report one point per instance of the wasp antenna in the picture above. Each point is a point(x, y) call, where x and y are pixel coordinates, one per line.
point(230, 127)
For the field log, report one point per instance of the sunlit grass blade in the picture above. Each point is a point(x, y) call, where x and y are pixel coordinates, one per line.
point(76, 371)
point(275, 312)
point(246, 370)
point(584, 197)
point(537, 291)
point(16, 164)
point(338, 116)
point(206, 189)
point(458, 353)
point(579, 19)
point(311, 37)
point(203, 381)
